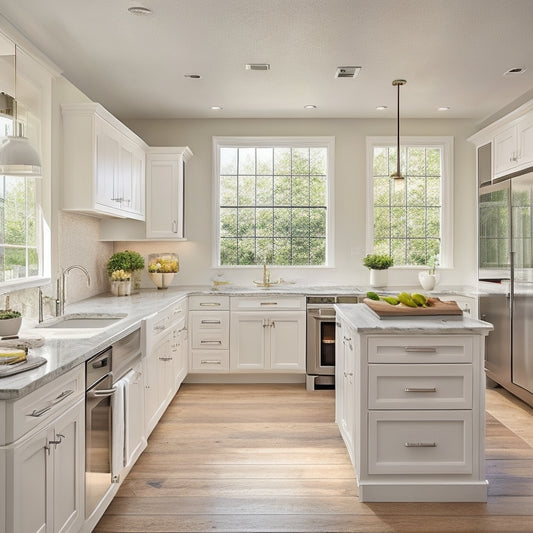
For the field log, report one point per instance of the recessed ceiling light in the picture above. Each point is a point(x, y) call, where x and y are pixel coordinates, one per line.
point(192, 76)
point(257, 66)
point(309, 106)
point(515, 70)
point(216, 107)
point(444, 108)
point(139, 10)
point(382, 107)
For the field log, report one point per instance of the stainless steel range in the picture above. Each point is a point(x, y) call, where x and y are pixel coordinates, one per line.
point(320, 367)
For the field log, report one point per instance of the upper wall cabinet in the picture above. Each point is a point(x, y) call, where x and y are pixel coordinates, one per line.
point(511, 140)
point(103, 164)
point(165, 192)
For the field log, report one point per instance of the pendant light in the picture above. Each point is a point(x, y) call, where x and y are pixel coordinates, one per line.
point(17, 155)
point(397, 175)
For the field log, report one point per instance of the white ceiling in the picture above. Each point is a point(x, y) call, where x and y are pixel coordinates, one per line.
point(451, 52)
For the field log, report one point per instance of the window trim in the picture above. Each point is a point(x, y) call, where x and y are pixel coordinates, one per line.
point(446, 216)
point(269, 141)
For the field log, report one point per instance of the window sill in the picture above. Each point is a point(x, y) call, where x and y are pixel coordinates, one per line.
point(17, 285)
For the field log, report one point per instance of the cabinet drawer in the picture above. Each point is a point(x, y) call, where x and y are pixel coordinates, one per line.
point(208, 302)
point(420, 442)
point(46, 402)
point(269, 303)
point(420, 349)
point(210, 321)
point(420, 386)
point(210, 361)
point(206, 340)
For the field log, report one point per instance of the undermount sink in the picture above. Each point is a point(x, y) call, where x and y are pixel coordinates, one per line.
point(84, 321)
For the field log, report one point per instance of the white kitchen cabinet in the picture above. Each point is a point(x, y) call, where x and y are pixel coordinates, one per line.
point(165, 192)
point(165, 362)
point(266, 336)
point(411, 407)
point(209, 320)
point(103, 164)
point(511, 139)
point(44, 484)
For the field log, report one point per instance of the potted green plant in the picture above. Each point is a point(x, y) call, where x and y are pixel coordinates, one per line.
point(378, 264)
point(122, 268)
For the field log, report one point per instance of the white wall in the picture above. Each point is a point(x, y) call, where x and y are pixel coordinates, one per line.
point(350, 194)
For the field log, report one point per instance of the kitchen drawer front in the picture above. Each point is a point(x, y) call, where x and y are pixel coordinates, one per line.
point(210, 361)
point(207, 302)
point(177, 311)
point(420, 442)
point(207, 340)
point(44, 403)
point(420, 349)
point(268, 303)
point(418, 386)
point(210, 321)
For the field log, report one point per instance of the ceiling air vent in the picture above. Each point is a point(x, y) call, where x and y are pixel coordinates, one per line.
point(347, 72)
point(257, 66)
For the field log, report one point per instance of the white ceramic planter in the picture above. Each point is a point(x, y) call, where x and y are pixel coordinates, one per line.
point(378, 278)
point(121, 288)
point(427, 280)
point(10, 326)
point(162, 280)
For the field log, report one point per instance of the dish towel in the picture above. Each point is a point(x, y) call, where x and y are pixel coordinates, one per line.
point(117, 441)
point(128, 445)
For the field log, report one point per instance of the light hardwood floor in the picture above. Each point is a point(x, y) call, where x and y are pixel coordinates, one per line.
point(269, 458)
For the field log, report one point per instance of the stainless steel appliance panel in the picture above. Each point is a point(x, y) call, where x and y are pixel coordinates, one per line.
point(522, 369)
point(98, 429)
point(496, 309)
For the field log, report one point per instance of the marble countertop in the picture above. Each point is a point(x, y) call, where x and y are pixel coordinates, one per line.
point(62, 354)
point(364, 320)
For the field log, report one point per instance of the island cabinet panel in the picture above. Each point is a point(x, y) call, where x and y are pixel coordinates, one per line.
point(410, 405)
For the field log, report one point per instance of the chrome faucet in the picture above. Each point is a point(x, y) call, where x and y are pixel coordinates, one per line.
point(61, 289)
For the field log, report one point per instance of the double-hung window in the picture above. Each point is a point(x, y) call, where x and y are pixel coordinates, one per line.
point(411, 219)
point(273, 200)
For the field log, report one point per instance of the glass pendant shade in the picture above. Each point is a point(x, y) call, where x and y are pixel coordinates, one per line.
point(17, 156)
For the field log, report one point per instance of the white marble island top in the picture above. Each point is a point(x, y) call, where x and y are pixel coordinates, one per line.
point(364, 320)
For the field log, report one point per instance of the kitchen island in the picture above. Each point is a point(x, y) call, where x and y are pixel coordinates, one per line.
point(410, 405)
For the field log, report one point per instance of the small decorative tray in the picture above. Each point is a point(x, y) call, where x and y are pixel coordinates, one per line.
point(30, 362)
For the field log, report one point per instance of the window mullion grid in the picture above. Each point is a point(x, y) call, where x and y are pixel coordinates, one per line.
point(426, 205)
point(292, 212)
point(237, 214)
point(26, 228)
point(391, 185)
point(309, 204)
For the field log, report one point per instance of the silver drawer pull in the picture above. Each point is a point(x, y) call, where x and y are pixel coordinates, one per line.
point(347, 339)
point(101, 393)
point(210, 322)
point(210, 342)
point(420, 389)
point(159, 328)
point(210, 362)
point(420, 444)
point(210, 304)
point(165, 358)
point(420, 349)
point(268, 303)
point(57, 399)
point(40, 412)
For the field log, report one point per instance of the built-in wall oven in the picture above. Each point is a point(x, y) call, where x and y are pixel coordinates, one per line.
point(98, 428)
point(320, 364)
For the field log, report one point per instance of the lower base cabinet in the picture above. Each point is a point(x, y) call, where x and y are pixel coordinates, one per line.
point(410, 407)
point(44, 476)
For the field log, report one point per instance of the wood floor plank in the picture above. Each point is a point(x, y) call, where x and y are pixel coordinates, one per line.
point(269, 458)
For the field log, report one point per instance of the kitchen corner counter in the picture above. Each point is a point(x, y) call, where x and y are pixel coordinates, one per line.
point(63, 354)
point(364, 320)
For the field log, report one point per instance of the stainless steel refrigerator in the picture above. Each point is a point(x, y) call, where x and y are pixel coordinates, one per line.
point(506, 259)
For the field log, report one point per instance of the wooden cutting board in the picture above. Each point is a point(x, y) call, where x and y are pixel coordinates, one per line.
point(437, 308)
